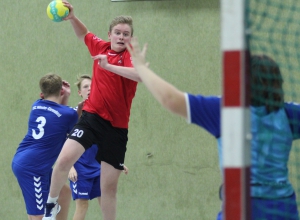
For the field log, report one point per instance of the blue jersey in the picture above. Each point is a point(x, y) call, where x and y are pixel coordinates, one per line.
point(48, 126)
point(87, 166)
point(272, 136)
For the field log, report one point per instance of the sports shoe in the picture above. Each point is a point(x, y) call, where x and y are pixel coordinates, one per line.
point(51, 210)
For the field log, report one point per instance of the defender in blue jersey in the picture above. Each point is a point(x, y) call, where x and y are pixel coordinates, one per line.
point(275, 125)
point(50, 121)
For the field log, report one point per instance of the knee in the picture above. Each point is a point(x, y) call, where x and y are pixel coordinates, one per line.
point(82, 205)
point(109, 188)
point(65, 192)
point(64, 163)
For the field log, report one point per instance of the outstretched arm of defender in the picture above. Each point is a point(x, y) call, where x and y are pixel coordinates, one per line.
point(165, 93)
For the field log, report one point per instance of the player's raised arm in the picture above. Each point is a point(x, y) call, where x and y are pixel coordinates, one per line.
point(78, 27)
point(165, 93)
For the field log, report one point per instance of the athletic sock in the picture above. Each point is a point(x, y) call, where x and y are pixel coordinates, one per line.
point(52, 200)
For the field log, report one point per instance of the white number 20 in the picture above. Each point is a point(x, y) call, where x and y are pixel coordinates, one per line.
point(41, 132)
point(77, 133)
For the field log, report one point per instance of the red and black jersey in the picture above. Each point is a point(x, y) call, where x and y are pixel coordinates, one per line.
point(111, 95)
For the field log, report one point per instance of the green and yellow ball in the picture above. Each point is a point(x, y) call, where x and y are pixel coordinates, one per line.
point(56, 11)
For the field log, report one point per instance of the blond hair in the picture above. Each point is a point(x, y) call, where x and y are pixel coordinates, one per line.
point(50, 85)
point(121, 20)
point(81, 78)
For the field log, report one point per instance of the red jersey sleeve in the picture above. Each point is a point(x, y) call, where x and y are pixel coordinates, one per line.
point(94, 43)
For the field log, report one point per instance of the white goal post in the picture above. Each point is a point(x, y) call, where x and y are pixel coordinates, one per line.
point(235, 114)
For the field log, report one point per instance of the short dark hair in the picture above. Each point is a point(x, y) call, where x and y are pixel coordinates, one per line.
point(266, 83)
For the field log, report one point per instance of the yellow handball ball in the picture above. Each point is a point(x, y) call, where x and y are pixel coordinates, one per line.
point(56, 11)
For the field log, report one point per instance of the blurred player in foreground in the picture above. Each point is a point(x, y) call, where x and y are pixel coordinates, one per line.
point(275, 124)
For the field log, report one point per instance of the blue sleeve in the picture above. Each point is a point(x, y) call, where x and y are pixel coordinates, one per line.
point(205, 111)
point(73, 119)
point(293, 113)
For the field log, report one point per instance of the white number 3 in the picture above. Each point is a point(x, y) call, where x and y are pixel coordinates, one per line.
point(41, 132)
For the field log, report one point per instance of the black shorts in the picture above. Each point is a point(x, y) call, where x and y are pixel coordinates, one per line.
point(111, 141)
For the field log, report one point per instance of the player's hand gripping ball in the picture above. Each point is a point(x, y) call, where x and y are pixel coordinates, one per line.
point(56, 11)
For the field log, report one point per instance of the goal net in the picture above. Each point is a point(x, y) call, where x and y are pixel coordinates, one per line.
point(258, 27)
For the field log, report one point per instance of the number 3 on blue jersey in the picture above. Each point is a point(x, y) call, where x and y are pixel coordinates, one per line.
point(41, 132)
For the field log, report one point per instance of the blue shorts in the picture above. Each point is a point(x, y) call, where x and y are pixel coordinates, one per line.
point(275, 209)
point(86, 188)
point(35, 188)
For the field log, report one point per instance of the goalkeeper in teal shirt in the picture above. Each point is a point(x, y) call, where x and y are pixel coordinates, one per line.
point(275, 124)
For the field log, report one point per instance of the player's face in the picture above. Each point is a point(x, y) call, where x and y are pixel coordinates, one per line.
point(120, 34)
point(85, 88)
